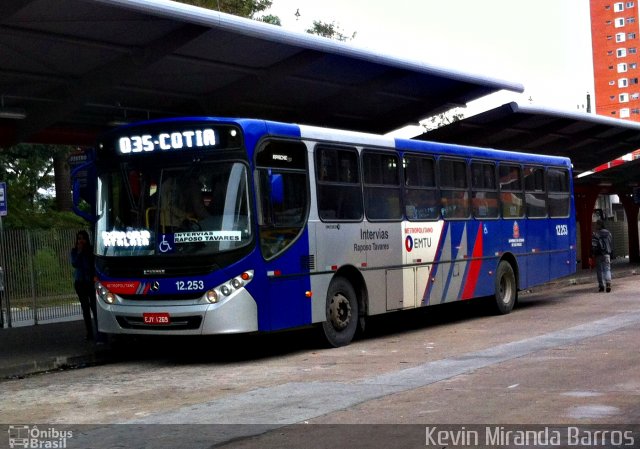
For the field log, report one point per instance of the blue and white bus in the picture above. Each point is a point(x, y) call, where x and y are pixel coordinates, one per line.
point(218, 226)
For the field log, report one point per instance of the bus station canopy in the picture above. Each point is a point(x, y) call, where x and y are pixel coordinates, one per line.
point(70, 69)
point(622, 176)
point(589, 140)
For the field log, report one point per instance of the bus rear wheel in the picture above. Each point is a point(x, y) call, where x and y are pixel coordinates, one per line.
point(506, 290)
point(341, 313)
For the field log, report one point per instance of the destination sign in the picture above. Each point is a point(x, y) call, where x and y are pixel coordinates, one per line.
point(168, 141)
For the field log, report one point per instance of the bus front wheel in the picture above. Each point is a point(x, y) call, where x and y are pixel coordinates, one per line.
point(341, 313)
point(506, 289)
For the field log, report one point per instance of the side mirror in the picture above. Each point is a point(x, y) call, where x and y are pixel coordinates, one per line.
point(80, 182)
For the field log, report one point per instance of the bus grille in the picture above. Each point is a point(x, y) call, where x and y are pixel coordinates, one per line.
point(177, 323)
point(147, 298)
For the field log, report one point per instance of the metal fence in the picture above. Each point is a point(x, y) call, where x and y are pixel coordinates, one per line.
point(38, 277)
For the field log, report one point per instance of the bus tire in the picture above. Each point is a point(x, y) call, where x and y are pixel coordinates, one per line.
point(506, 290)
point(341, 313)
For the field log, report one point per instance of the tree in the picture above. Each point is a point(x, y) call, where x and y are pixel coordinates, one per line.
point(330, 30)
point(442, 119)
point(29, 173)
point(242, 8)
point(62, 176)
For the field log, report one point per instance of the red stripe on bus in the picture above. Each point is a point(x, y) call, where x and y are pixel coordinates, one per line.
point(474, 267)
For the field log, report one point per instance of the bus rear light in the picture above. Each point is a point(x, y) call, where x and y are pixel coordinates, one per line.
point(274, 273)
point(308, 294)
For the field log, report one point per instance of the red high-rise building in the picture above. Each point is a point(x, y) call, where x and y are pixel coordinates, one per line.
point(615, 40)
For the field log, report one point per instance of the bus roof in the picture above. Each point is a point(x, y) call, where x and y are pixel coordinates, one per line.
point(358, 138)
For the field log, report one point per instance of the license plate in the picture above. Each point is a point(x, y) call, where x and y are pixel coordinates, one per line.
point(156, 318)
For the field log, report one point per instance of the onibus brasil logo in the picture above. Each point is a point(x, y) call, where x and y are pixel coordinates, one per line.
point(33, 437)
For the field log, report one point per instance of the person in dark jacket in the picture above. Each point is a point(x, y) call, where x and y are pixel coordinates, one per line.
point(82, 260)
point(603, 257)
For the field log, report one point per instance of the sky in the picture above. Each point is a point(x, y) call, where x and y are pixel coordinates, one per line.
point(544, 45)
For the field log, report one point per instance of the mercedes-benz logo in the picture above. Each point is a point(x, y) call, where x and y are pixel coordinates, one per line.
point(155, 286)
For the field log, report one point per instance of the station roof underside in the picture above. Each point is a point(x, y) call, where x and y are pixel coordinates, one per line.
point(70, 69)
point(588, 139)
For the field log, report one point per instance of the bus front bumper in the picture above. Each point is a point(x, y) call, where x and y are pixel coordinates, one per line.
point(236, 314)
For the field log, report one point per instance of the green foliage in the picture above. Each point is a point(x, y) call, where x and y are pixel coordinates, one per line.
point(442, 119)
point(242, 8)
point(329, 30)
point(270, 18)
point(28, 172)
point(27, 169)
point(53, 277)
point(51, 219)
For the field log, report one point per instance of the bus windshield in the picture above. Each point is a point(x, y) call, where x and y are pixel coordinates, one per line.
point(145, 210)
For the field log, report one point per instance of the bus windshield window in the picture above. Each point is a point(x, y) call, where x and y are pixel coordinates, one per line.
point(198, 209)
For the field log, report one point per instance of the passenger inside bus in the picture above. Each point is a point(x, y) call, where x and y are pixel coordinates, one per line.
point(182, 209)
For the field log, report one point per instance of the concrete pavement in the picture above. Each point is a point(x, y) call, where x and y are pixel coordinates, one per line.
point(45, 347)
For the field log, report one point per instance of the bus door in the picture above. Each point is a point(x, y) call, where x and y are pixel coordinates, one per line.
point(283, 207)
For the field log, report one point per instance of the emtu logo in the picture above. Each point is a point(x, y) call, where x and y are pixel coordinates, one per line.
point(408, 243)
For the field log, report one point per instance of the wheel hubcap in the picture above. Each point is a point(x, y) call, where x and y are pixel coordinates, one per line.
point(505, 290)
point(340, 311)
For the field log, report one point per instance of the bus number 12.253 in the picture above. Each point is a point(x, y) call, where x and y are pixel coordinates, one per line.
point(190, 285)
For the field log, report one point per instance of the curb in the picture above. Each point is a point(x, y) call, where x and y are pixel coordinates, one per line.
point(52, 364)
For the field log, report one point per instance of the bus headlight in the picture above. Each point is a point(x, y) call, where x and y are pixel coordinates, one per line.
point(212, 296)
point(105, 294)
point(220, 292)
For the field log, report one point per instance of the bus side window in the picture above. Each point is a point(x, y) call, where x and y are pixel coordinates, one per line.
point(338, 184)
point(420, 194)
point(535, 192)
point(484, 191)
point(559, 192)
point(454, 193)
point(511, 196)
point(382, 194)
